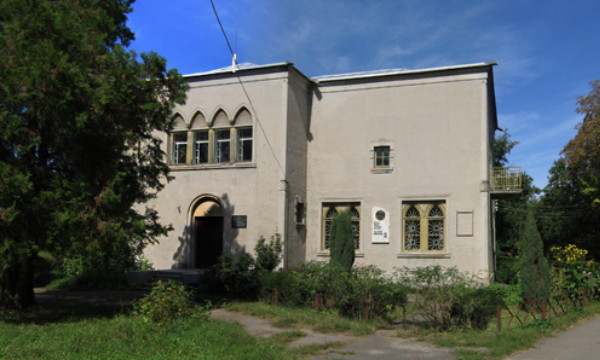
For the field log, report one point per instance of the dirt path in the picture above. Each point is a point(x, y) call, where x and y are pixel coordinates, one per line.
point(383, 344)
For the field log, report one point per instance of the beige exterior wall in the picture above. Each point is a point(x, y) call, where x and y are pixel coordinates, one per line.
point(252, 189)
point(437, 129)
point(313, 144)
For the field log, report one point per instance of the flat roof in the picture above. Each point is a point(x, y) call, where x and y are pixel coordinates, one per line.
point(390, 72)
point(361, 75)
point(238, 67)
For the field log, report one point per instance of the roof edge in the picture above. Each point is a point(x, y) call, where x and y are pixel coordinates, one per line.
point(376, 74)
point(229, 71)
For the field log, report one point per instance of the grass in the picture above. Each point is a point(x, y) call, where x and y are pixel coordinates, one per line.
point(490, 344)
point(105, 335)
point(290, 317)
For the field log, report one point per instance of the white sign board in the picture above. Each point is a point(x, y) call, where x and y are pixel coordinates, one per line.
point(381, 226)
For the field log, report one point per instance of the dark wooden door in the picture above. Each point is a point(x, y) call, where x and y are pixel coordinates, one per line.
point(209, 240)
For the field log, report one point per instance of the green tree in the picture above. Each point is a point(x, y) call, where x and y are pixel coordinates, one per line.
point(510, 214)
point(535, 272)
point(342, 241)
point(582, 153)
point(78, 158)
point(570, 206)
point(502, 147)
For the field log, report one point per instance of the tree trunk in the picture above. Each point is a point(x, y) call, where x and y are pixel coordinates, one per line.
point(16, 284)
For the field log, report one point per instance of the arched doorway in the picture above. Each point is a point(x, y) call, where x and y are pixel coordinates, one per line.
point(207, 221)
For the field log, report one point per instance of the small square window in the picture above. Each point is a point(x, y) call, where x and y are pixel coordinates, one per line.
point(381, 156)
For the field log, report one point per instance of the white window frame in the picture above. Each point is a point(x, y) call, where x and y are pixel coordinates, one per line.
point(218, 143)
point(197, 146)
point(176, 148)
point(241, 141)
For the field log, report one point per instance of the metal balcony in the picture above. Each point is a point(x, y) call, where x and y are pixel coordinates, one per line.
point(506, 180)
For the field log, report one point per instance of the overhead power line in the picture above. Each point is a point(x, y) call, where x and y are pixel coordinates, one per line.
point(222, 29)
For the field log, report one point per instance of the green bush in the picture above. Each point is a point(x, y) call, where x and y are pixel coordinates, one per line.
point(370, 294)
point(239, 276)
point(342, 241)
point(89, 272)
point(167, 301)
point(435, 290)
point(268, 256)
point(475, 307)
point(362, 292)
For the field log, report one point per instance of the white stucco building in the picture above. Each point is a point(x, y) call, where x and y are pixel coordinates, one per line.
point(265, 150)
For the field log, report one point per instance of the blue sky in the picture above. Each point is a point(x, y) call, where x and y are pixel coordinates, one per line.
point(547, 51)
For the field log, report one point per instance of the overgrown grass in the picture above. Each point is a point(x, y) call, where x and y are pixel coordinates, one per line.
point(129, 337)
point(286, 317)
point(490, 344)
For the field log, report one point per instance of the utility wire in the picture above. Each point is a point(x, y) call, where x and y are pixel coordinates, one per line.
point(258, 122)
point(222, 29)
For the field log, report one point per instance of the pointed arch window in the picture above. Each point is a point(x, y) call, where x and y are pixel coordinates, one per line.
point(329, 211)
point(218, 142)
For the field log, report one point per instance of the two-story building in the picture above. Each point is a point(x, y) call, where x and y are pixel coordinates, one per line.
point(264, 150)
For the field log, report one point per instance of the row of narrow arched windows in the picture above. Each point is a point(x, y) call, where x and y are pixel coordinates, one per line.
point(223, 141)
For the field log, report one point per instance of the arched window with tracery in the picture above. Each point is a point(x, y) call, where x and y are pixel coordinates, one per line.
point(424, 226)
point(329, 211)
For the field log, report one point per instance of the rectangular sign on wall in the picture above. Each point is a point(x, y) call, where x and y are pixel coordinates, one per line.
point(239, 221)
point(381, 226)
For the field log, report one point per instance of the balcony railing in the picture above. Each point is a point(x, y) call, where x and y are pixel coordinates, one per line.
point(506, 180)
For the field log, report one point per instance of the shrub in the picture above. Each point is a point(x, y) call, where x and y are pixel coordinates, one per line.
point(535, 272)
point(435, 290)
point(167, 301)
point(370, 294)
point(342, 241)
point(238, 275)
point(572, 271)
point(361, 293)
point(475, 307)
point(268, 256)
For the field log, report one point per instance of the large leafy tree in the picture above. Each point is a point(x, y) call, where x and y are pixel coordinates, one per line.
point(582, 153)
point(78, 158)
point(571, 201)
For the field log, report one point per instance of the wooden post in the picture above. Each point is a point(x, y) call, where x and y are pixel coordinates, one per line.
point(543, 306)
point(318, 302)
point(498, 317)
point(276, 300)
point(366, 312)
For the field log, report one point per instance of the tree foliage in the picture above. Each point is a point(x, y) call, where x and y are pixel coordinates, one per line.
point(509, 215)
point(582, 153)
point(570, 206)
point(342, 241)
point(78, 157)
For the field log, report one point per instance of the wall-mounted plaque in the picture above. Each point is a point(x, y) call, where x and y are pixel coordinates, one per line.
point(381, 226)
point(239, 221)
